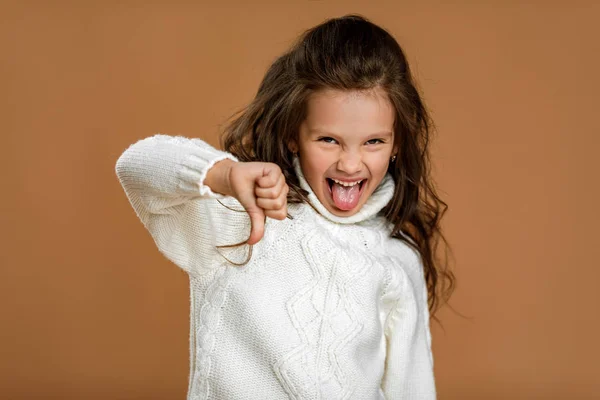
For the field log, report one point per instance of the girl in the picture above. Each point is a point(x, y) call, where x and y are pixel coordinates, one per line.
point(309, 242)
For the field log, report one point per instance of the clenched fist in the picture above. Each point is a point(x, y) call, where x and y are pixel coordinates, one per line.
point(259, 187)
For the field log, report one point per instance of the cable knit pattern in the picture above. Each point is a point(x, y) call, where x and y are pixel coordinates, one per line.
point(327, 329)
point(205, 333)
point(327, 308)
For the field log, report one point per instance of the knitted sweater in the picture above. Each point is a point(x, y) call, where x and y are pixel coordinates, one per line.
point(327, 307)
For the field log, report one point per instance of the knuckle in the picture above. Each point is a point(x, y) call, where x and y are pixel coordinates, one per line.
point(275, 167)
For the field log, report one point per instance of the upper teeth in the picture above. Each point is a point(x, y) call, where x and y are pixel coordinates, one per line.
point(346, 183)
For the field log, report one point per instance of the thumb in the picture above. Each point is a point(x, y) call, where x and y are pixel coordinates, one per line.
point(257, 229)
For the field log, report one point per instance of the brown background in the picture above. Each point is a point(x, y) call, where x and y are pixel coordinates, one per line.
point(90, 310)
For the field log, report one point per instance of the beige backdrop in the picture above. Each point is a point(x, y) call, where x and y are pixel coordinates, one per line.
point(90, 310)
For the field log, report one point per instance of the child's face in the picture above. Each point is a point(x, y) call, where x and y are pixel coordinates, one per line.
point(347, 137)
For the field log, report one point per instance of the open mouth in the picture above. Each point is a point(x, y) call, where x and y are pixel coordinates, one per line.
point(331, 182)
point(345, 195)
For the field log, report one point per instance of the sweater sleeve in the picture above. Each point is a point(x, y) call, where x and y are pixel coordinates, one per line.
point(163, 178)
point(409, 359)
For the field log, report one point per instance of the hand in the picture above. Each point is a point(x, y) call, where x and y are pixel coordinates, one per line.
point(259, 187)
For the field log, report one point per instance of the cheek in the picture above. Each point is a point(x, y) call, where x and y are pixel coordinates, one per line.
point(315, 162)
point(317, 170)
point(311, 169)
point(378, 165)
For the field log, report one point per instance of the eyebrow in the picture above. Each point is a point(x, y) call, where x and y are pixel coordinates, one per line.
point(382, 134)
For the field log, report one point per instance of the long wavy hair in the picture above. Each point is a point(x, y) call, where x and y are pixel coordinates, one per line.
point(351, 53)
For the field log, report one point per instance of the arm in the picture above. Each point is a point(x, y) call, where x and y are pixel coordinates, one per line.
point(165, 179)
point(162, 171)
point(409, 360)
point(161, 176)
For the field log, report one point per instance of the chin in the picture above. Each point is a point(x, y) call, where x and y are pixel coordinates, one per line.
point(344, 213)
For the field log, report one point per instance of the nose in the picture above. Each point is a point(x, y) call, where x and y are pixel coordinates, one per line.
point(350, 162)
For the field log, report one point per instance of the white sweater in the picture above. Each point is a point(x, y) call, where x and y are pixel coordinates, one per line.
point(326, 308)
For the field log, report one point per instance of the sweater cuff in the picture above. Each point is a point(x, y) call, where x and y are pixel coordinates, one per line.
point(196, 165)
point(205, 190)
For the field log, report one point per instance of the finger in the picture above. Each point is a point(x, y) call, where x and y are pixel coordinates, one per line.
point(270, 177)
point(280, 214)
point(257, 229)
point(271, 192)
point(272, 204)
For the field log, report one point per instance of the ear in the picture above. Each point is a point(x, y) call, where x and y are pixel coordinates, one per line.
point(293, 146)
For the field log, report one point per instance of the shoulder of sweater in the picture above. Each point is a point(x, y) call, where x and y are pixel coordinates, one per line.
point(406, 259)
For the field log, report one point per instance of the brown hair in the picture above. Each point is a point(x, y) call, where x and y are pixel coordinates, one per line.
point(351, 53)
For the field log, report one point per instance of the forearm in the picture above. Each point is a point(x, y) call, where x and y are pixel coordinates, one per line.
point(161, 172)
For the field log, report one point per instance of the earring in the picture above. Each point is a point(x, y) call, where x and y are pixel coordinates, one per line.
point(393, 158)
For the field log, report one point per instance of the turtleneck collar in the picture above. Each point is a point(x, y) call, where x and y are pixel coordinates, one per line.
point(375, 203)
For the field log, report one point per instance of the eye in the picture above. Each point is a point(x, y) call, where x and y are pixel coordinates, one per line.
point(375, 141)
point(327, 139)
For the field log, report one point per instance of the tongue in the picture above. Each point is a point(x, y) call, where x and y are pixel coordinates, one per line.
point(345, 197)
